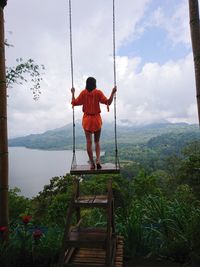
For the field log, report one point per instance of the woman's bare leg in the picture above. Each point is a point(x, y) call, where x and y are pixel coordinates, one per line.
point(88, 136)
point(97, 145)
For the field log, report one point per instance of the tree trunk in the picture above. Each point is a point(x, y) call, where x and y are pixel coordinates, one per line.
point(195, 37)
point(3, 127)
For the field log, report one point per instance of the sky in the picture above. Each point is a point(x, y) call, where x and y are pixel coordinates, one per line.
point(154, 61)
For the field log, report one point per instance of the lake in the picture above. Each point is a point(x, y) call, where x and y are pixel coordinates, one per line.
point(31, 169)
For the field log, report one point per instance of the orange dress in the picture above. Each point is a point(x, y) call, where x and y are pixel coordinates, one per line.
point(90, 101)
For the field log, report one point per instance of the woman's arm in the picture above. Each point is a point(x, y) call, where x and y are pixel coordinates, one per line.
point(110, 100)
point(77, 101)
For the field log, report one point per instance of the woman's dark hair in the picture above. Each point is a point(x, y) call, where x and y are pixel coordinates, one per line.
point(90, 84)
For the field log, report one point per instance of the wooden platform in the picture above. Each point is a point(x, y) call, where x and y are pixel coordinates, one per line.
point(87, 238)
point(107, 168)
point(91, 246)
point(93, 257)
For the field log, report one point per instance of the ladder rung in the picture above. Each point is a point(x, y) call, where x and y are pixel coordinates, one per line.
point(86, 237)
point(92, 201)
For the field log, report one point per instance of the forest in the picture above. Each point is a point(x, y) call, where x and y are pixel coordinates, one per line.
point(157, 206)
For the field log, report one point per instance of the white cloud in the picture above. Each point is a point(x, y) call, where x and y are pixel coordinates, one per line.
point(146, 93)
point(176, 25)
point(159, 92)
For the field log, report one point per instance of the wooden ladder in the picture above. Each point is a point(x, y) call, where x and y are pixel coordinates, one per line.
point(91, 247)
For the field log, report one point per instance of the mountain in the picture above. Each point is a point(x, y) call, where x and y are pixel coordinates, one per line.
point(61, 138)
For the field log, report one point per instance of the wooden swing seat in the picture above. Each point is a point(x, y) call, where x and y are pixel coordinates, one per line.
point(107, 168)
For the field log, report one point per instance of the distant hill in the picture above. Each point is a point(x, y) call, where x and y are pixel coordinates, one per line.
point(61, 138)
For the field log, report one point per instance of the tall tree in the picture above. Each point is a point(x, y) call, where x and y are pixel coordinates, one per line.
point(195, 37)
point(3, 126)
point(8, 77)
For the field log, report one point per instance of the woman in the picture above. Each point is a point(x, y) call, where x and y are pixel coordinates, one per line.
point(90, 98)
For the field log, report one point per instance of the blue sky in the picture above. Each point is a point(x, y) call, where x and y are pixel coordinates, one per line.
point(154, 44)
point(154, 63)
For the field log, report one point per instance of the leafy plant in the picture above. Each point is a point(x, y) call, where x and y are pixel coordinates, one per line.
point(17, 204)
point(18, 75)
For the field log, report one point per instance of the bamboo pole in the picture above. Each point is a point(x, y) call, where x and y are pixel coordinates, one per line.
point(3, 127)
point(195, 38)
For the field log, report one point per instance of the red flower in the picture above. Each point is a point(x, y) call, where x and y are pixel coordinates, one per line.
point(3, 229)
point(37, 234)
point(26, 219)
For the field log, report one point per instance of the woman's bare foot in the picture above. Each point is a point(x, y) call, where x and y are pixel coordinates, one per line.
point(92, 166)
point(99, 166)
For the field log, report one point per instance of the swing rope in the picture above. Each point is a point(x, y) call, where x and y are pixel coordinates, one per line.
point(115, 83)
point(72, 79)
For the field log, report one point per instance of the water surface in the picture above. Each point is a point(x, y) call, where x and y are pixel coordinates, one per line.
point(31, 169)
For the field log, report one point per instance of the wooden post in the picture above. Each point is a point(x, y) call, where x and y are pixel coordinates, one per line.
point(109, 226)
point(78, 210)
point(3, 127)
point(195, 37)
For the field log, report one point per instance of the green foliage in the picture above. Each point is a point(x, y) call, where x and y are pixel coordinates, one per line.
point(184, 193)
point(144, 184)
point(162, 216)
point(50, 205)
point(57, 208)
point(130, 169)
point(160, 227)
point(170, 226)
point(47, 248)
point(189, 171)
point(18, 75)
point(4, 253)
point(17, 204)
point(129, 225)
point(157, 207)
point(93, 218)
point(31, 245)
